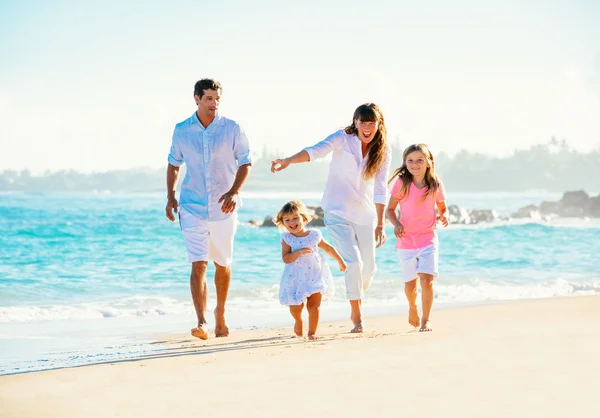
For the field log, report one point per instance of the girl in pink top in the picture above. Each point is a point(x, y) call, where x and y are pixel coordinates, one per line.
point(417, 191)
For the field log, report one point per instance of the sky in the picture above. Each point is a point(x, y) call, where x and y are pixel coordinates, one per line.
point(97, 86)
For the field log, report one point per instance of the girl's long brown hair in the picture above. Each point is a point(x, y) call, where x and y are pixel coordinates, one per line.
point(431, 179)
point(376, 149)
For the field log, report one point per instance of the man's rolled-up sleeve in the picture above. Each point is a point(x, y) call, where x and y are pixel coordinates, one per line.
point(175, 156)
point(242, 149)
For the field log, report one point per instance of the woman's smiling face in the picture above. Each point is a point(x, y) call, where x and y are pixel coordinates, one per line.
point(366, 130)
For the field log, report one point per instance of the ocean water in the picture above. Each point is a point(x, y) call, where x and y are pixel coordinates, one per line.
point(89, 278)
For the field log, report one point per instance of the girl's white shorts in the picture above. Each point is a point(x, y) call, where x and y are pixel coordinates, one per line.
point(420, 260)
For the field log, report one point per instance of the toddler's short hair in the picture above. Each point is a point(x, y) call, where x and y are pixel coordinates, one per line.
point(291, 207)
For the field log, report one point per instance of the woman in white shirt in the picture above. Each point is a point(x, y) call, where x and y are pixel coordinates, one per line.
point(355, 196)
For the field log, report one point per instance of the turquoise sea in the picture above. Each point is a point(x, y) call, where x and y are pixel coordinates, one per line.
point(89, 278)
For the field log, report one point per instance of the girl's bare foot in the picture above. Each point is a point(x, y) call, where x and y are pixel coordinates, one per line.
point(426, 326)
point(312, 337)
point(413, 316)
point(298, 328)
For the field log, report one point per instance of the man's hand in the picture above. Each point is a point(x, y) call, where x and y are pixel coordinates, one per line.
point(172, 206)
point(379, 236)
point(229, 202)
point(279, 164)
point(343, 266)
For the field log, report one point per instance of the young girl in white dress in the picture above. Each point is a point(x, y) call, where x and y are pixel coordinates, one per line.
point(306, 276)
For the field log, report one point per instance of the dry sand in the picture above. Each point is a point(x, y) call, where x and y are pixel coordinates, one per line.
point(520, 359)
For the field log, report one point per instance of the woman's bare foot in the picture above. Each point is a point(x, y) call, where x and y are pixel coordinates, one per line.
point(358, 324)
point(413, 316)
point(312, 337)
point(201, 332)
point(426, 326)
point(358, 328)
point(298, 328)
point(221, 329)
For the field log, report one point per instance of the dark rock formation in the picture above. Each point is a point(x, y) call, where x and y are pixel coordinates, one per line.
point(458, 215)
point(573, 204)
point(529, 211)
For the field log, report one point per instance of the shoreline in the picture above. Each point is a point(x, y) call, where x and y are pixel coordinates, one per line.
point(533, 358)
point(149, 342)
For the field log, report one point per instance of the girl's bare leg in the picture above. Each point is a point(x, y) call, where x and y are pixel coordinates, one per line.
point(313, 305)
point(426, 300)
point(410, 289)
point(296, 311)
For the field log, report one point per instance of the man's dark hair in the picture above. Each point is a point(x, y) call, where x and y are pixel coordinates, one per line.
point(206, 84)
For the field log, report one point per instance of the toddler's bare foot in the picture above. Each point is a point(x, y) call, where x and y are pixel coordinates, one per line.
point(413, 316)
point(298, 328)
point(201, 332)
point(312, 337)
point(221, 329)
point(426, 326)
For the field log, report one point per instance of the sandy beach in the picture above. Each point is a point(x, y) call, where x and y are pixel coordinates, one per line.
point(518, 359)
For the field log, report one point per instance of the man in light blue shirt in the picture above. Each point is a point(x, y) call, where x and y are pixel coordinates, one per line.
point(217, 157)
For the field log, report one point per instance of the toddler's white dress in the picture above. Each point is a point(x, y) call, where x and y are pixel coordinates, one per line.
point(309, 274)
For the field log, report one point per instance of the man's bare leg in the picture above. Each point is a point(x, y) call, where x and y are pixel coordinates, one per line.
point(426, 300)
point(222, 280)
point(410, 289)
point(356, 315)
point(313, 306)
point(296, 311)
point(199, 297)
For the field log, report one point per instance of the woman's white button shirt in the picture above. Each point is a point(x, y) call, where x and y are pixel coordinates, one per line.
point(347, 193)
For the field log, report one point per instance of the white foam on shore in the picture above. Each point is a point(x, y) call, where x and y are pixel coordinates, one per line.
point(264, 300)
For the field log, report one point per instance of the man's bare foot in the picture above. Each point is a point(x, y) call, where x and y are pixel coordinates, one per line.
point(413, 316)
point(425, 326)
point(312, 337)
point(221, 329)
point(201, 332)
point(298, 328)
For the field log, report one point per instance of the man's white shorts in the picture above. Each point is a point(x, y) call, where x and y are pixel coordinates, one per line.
point(207, 240)
point(421, 260)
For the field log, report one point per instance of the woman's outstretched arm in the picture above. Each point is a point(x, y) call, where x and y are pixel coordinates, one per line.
point(282, 163)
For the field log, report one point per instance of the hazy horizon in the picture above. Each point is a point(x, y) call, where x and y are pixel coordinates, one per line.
point(541, 167)
point(99, 87)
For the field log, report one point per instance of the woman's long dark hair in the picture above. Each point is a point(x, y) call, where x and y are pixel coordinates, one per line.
point(376, 149)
